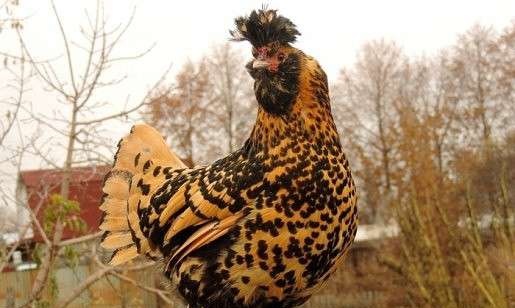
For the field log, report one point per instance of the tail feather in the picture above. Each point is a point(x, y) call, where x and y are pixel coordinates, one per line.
point(120, 220)
point(123, 255)
point(117, 240)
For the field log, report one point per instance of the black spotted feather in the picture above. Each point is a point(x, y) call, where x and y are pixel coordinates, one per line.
point(263, 27)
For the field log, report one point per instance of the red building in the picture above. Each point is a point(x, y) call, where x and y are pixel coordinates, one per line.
point(36, 186)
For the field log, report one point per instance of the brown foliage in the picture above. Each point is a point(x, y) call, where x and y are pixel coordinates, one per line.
point(180, 113)
point(209, 110)
point(432, 145)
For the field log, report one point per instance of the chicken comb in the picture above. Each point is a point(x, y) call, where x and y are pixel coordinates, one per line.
point(263, 27)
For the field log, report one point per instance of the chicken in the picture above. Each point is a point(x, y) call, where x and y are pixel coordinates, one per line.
point(264, 226)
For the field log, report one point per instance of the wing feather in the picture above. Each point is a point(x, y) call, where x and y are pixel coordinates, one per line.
point(205, 235)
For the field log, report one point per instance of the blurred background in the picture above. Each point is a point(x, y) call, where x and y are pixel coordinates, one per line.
point(422, 94)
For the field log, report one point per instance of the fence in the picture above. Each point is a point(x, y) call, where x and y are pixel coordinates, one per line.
point(105, 293)
point(110, 291)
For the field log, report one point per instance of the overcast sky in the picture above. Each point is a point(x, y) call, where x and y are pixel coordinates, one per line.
point(332, 31)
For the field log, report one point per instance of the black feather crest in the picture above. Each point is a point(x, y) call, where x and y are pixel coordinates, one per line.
point(263, 27)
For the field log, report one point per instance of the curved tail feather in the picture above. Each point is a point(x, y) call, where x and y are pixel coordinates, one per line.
point(120, 221)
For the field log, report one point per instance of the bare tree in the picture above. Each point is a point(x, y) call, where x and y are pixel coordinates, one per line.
point(79, 122)
point(182, 113)
point(232, 90)
point(14, 77)
point(15, 67)
point(475, 72)
point(12, 72)
point(8, 18)
point(209, 110)
point(427, 110)
point(365, 106)
point(504, 58)
point(440, 101)
point(448, 198)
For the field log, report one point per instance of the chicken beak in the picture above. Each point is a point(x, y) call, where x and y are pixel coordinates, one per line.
point(259, 64)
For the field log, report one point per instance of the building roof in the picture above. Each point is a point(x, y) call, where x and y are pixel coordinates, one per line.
point(50, 177)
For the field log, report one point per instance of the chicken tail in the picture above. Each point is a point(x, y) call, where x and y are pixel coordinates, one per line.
point(120, 220)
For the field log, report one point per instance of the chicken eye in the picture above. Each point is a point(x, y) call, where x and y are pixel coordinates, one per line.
point(281, 57)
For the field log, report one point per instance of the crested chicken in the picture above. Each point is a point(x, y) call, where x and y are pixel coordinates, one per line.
point(264, 226)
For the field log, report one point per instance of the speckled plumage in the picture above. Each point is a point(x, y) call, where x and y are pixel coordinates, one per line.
point(262, 227)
